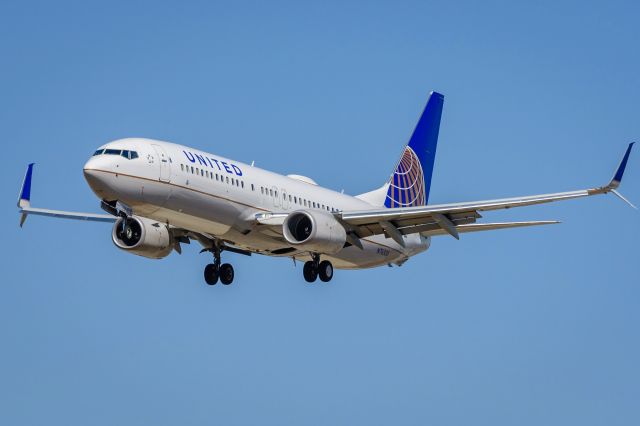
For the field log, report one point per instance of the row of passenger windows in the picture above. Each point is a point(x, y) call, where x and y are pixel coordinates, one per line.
point(297, 200)
point(264, 191)
point(210, 175)
point(123, 152)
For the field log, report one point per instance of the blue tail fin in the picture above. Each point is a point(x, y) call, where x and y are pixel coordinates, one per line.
point(410, 183)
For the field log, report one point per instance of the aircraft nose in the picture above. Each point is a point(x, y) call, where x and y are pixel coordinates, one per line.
point(96, 176)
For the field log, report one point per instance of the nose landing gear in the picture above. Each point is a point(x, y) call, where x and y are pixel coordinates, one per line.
point(314, 269)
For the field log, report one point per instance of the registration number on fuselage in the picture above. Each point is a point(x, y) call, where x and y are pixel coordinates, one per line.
point(382, 251)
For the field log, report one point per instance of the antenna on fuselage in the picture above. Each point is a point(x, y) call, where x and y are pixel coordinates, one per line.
point(253, 162)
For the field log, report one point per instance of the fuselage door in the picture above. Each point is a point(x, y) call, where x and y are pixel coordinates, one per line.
point(275, 194)
point(285, 200)
point(165, 163)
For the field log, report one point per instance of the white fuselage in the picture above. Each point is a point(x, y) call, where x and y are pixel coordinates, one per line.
point(205, 193)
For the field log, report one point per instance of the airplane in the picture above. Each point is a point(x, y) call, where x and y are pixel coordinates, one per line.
point(160, 195)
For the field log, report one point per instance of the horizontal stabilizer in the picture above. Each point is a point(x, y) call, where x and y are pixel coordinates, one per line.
point(477, 227)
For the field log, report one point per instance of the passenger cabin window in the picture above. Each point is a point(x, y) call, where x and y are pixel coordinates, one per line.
point(182, 167)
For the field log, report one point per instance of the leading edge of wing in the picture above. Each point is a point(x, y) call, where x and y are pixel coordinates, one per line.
point(365, 216)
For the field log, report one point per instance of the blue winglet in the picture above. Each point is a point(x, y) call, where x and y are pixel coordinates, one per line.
point(25, 192)
point(617, 178)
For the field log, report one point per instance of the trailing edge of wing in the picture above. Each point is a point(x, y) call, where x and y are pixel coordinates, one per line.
point(477, 227)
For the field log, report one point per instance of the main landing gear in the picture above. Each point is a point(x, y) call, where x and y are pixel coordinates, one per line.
point(215, 271)
point(314, 269)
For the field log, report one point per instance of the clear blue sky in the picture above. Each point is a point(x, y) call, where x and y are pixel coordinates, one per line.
point(526, 327)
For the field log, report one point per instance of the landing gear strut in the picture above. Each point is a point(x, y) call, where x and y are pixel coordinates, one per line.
point(314, 269)
point(215, 270)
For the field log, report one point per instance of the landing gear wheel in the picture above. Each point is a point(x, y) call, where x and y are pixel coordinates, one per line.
point(226, 273)
point(310, 271)
point(325, 271)
point(211, 274)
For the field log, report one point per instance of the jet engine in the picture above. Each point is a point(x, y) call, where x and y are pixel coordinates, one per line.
point(314, 230)
point(144, 237)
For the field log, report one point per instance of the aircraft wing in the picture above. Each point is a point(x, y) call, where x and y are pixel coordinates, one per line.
point(455, 218)
point(24, 203)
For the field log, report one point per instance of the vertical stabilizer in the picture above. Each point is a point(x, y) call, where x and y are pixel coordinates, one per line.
point(411, 180)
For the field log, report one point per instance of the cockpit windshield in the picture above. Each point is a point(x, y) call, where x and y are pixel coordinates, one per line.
point(130, 155)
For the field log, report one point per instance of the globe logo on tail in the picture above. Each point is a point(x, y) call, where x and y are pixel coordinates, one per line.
point(406, 188)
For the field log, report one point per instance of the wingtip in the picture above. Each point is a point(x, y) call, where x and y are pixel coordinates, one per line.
point(25, 190)
point(617, 177)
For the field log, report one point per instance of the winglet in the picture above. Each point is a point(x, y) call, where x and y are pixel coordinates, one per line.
point(25, 192)
point(617, 178)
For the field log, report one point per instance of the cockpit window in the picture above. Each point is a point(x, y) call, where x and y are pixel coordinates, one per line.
point(123, 152)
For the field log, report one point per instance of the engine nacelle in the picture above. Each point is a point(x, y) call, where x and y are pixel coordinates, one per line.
point(314, 230)
point(144, 237)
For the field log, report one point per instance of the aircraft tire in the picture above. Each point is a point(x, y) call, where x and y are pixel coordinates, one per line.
point(226, 273)
point(325, 271)
point(211, 274)
point(310, 271)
